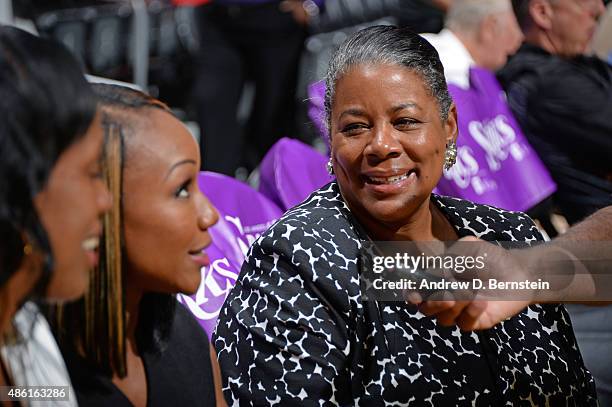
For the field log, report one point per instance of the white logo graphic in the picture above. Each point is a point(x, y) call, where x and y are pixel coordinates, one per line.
point(498, 141)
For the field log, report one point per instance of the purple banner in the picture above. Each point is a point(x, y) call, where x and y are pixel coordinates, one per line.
point(243, 215)
point(495, 164)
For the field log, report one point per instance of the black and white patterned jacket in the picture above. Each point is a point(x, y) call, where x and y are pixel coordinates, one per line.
point(294, 331)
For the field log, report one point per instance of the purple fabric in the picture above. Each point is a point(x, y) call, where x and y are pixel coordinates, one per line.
point(495, 164)
point(290, 171)
point(316, 109)
point(243, 215)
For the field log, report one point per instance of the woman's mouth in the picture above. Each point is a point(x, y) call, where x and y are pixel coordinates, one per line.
point(389, 184)
point(386, 180)
point(91, 245)
point(200, 257)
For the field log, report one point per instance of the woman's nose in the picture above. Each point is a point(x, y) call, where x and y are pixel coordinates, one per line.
point(383, 144)
point(208, 215)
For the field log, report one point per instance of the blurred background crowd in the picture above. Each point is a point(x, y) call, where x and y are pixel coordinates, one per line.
point(237, 70)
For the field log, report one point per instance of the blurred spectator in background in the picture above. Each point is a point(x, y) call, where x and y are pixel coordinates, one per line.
point(602, 41)
point(478, 32)
point(563, 101)
point(261, 40)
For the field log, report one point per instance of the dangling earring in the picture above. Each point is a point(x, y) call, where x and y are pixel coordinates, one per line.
point(450, 155)
point(330, 166)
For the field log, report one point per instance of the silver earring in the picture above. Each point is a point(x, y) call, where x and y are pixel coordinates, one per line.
point(450, 155)
point(330, 167)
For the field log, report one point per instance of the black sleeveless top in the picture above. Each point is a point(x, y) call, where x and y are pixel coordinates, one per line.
point(181, 375)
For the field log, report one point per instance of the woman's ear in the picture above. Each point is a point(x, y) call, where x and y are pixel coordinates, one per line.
point(450, 125)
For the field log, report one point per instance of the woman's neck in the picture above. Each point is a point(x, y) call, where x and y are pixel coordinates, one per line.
point(419, 227)
point(425, 223)
point(132, 309)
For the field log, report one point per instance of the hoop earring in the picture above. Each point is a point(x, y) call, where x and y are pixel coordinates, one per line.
point(450, 155)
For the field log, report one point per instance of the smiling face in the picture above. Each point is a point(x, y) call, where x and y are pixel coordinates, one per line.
point(165, 216)
point(70, 206)
point(388, 142)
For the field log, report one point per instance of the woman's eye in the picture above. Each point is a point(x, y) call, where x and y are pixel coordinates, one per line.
point(354, 128)
point(405, 123)
point(95, 172)
point(183, 191)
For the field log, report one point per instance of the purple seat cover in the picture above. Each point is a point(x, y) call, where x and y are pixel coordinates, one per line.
point(316, 109)
point(291, 171)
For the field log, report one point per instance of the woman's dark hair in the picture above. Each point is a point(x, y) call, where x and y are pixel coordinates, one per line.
point(96, 323)
point(385, 44)
point(45, 105)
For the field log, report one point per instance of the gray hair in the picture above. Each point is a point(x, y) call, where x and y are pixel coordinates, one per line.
point(466, 15)
point(388, 45)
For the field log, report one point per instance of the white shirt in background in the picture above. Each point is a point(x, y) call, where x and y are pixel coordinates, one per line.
point(455, 58)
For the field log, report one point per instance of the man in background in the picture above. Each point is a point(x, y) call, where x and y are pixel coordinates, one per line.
point(477, 32)
point(563, 100)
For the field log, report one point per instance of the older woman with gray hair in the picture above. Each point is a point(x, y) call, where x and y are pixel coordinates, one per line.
point(295, 329)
